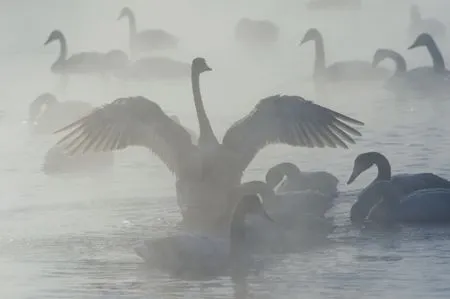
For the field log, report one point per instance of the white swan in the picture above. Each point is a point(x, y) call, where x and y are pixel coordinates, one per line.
point(351, 70)
point(155, 68)
point(206, 173)
point(204, 257)
point(256, 33)
point(147, 40)
point(47, 114)
point(418, 25)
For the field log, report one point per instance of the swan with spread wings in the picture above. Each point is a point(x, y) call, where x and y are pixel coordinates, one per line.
point(206, 172)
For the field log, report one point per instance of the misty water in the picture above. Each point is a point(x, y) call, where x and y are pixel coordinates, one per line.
point(72, 236)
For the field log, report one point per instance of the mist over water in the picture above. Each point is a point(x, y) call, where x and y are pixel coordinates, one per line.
point(72, 236)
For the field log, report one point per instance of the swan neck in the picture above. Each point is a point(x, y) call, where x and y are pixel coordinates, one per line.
point(131, 24)
point(438, 60)
point(383, 166)
point(319, 63)
point(400, 62)
point(206, 132)
point(63, 50)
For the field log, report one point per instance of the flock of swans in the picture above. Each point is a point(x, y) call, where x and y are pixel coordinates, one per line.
point(213, 200)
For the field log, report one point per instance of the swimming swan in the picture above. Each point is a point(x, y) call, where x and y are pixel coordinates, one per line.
point(426, 40)
point(418, 25)
point(147, 40)
point(391, 206)
point(405, 183)
point(256, 32)
point(193, 256)
point(352, 70)
point(206, 173)
point(296, 180)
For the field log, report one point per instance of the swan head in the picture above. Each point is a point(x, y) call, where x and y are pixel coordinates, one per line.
point(311, 34)
point(54, 35)
point(277, 173)
point(380, 55)
point(362, 163)
point(423, 39)
point(199, 65)
point(126, 11)
point(40, 105)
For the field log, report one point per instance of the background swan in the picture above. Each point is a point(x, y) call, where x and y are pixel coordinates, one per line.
point(152, 68)
point(206, 173)
point(256, 33)
point(417, 25)
point(198, 256)
point(391, 206)
point(351, 70)
point(95, 63)
point(148, 40)
point(46, 115)
point(292, 179)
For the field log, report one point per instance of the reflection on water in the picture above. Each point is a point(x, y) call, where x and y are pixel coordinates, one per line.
point(72, 237)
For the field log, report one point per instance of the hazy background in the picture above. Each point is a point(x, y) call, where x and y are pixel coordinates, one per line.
point(72, 237)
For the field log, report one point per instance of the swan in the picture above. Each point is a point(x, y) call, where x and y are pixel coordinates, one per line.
point(390, 206)
point(296, 180)
point(196, 256)
point(426, 40)
point(94, 63)
point(352, 70)
point(149, 68)
point(148, 40)
point(333, 4)
point(206, 172)
point(256, 32)
point(418, 25)
point(46, 114)
point(405, 183)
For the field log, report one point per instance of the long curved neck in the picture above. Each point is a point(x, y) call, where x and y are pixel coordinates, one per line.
point(438, 60)
point(63, 49)
point(400, 62)
point(319, 63)
point(206, 133)
point(131, 24)
point(383, 166)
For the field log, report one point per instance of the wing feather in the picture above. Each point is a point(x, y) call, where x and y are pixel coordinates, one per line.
point(134, 121)
point(290, 120)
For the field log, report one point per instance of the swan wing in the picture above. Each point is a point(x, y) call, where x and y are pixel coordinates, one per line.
point(289, 120)
point(133, 121)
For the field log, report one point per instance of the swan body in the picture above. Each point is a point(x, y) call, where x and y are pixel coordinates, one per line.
point(256, 32)
point(147, 40)
point(405, 184)
point(417, 25)
point(205, 173)
point(354, 70)
point(333, 4)
point(149, 68)
point(296, 180)
point(419, 207)
point(197, 256)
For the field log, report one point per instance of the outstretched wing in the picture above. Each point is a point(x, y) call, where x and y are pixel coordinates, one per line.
point(134, 121)
point(290, 120)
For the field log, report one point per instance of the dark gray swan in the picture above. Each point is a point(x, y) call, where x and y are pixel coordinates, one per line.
point(148, 40)
point(208, 171)
point(405, 184)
